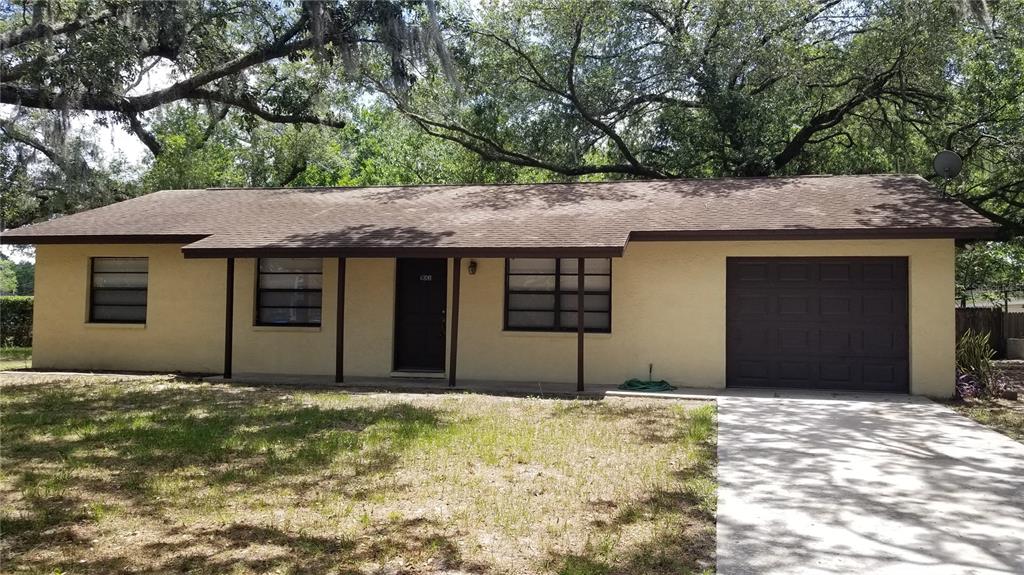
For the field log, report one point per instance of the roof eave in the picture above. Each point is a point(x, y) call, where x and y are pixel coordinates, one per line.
point(42, 239)
point(958, 233)
point(407, 252)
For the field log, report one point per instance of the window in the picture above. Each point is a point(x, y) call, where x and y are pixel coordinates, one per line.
point(118, 289)
point(289, 291)
point(540, 294)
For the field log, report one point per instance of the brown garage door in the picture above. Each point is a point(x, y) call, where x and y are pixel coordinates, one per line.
point(818, 323)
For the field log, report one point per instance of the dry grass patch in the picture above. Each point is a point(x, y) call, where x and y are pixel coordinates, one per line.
point(106, 474)
point(1003, 415)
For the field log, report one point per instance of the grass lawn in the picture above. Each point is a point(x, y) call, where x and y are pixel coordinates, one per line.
point(15, 358)
point(1003, 415)
point(105, 473)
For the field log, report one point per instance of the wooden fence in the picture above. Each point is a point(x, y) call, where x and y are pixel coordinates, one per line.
point(1013, 324)
point(999, 325)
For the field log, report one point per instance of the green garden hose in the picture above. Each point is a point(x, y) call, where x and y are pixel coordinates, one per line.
point(641, 385)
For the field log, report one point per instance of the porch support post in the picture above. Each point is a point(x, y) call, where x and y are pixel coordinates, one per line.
point(339, 343)
point(580, 263)
point(229, 316)
point(453, 349)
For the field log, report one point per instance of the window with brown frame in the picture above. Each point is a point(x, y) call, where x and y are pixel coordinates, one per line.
point(541, 294)
point(118, 290)
point(289, 291)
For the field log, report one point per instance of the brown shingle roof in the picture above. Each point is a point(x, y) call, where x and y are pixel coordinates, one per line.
point(570, 217)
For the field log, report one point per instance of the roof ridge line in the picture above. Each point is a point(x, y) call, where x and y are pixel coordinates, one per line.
point(550, 183)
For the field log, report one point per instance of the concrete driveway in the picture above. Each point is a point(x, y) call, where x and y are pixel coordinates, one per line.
point(835, 483)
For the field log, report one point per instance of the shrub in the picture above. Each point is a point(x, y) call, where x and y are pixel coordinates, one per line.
point(974, 360)
point(968, 386)
point(16, 321)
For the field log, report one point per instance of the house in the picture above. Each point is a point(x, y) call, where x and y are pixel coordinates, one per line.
point(839, 282)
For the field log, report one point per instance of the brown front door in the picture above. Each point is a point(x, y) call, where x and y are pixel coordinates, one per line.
point(421, 297)
point(817, 323)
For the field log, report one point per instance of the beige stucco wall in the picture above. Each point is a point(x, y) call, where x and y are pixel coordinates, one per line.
point(668, 309)
point(369, 321)
point(184, 328)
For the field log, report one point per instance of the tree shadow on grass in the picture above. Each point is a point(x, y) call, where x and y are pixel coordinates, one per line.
point(683, 539)
point(409, 546)
point(216, 436)
point(683, 542)
point(680, 531)
point(168, 429)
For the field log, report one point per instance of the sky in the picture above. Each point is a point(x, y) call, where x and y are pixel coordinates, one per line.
point(114, 140)
point(119, 140)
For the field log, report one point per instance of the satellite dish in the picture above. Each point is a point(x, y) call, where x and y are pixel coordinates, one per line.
point(947, 164)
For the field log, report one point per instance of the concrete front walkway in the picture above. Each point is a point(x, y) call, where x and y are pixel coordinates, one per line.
point(865, 484)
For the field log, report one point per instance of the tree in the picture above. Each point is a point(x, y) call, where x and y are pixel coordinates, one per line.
point(663, 89)
point(984, 117)
point(990, 270)
point(378, 147)
point(92, 55)
point(8, 278)
point(300, 92)
point(57, 172)
point(25, 273)
point(658, 89)
point(249, 61)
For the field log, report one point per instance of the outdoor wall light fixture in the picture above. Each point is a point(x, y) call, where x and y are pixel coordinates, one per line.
point(472, 267)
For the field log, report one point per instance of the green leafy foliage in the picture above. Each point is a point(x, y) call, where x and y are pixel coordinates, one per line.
point(379, 147)
point(247, 64)
point(25, 272)
point(974, 356)
point(988, 269)
point(15, 321)
point(391, 92)
point(8, 277)
point(660, 89)
point(43, 173)
point(193, 155)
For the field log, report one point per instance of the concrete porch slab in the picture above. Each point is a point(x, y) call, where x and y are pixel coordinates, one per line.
point(546, 389)
point(440, 385)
